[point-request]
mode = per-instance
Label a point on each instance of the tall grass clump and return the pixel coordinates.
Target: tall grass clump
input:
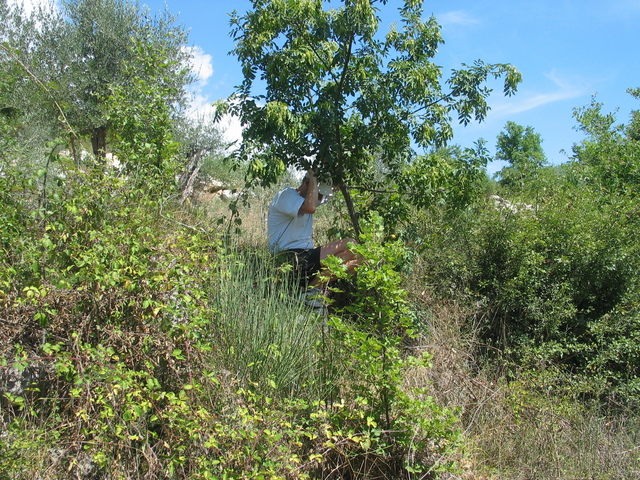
(262, 333)
(532, 429)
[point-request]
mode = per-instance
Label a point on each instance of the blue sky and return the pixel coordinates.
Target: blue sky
(567, 51)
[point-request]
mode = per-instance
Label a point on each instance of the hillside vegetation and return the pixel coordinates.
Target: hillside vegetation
(493, 331)
(143, 338)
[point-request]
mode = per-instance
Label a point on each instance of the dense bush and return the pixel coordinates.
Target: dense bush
(553, 276)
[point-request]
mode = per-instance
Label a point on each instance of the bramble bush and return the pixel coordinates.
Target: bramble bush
(123, 335)
(405, 432)
(121, 325)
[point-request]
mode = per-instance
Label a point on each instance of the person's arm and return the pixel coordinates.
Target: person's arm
(311, 198)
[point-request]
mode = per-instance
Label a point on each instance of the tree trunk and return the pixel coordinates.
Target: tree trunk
(188, 178)
(99, 143)
(351, 209)
(74, 150)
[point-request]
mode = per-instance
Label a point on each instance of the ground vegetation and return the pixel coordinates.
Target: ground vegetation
(145, 333)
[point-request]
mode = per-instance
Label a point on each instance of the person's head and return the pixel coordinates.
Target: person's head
(325, 191)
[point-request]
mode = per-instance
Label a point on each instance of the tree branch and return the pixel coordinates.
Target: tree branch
(44, 87)
(372, 190)
(345, 67)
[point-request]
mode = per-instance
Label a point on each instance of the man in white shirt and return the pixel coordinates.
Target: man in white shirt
(290, 229)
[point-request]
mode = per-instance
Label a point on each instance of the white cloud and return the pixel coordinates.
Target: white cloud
(564, 89)
(201, 107)
(231, 128)
(457, 17)
(201, 65)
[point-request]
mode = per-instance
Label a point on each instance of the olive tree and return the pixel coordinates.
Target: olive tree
(103, 35)
(324, 89)
(74, 56)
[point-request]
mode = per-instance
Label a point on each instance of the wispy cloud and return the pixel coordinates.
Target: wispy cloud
(564, 89)
(457, 17)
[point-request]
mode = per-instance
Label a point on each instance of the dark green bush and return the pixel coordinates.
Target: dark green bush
(556, 276)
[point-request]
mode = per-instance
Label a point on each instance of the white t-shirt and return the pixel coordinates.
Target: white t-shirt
(286, 228)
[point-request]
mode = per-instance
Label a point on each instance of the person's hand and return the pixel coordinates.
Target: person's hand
(310, 193)
(311, 176)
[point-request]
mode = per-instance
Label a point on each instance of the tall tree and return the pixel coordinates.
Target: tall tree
(522, 148)
(323, 89)
(80, 52)
(103, 35)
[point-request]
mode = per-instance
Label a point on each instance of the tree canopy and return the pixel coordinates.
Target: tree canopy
(521, 147)
(79, 53)
(611, 151)
(323, 88)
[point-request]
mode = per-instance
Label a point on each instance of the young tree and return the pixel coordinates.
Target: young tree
(323, 89)
(522, 148)
(610, 154)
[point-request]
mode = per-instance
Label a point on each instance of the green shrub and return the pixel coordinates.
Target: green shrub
(402, 431)
(552, 280)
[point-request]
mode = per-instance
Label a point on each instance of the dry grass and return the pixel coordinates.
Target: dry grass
(512, 429)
